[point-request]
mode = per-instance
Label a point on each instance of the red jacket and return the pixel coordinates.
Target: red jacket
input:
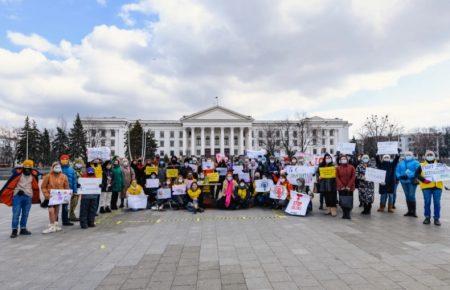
(7, 192)
(345, 177)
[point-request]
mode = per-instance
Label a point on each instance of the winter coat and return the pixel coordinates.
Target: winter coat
(117, 179)
(326, 184)
(406, 170)
(345, 177)
(7, 192)
(107, 180)
(390, 181)
(127, 175)
(72, 177)
(222, 193)
(365, 188)
(54, 181)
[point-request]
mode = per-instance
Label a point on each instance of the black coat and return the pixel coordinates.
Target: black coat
(390, 180)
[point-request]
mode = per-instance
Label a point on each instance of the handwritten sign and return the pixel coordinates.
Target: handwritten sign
(151, 169)
(375, 175)
(172, 173)
(436, 172)
(207, 165)
(327, 172)
(89, 185)
(278, 192)
(298, 204)
(179, 189)
(387, 148)
(222, 171)
(346, 148)
(219, 157)
(263, 185)
(213, 177)
(164, 193)
(59, 196)
(152, 183)
(103, 153)
(245, 176)
(137, 201)
(237, 169)
(296, 172)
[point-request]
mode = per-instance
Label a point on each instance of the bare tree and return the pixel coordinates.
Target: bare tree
(287, 137)
(424, 139)
(376, 129)
(269, 138)
(8, 146)
(304, 132)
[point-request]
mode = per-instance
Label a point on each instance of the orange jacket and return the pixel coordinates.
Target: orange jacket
(54, 181)
(7, 193)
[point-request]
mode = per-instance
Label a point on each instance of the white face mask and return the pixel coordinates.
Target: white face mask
(180, 180)
(242, 184)
(57, 169)
(429, 158)
(386, 159)
(344, 161)
(125, 164)
(408, 157)
(365, 160)
(328, 160)
(229, 177)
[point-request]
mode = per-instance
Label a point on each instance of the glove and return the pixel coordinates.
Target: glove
(78, 185)
(44, 204)
(20, 192)
(399, 150)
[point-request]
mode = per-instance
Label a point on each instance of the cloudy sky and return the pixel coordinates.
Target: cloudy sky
(159, 59)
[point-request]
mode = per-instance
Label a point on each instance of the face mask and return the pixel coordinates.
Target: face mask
(168, 182)
(429, 158)
(294, 161)
(27, 171)
(180, 180)
(125, 164)
(264, 177)
(328, 160)
(57, 169)
(386, 159)
(408, 157)
(242, 184)
(344, 161)
(186, 164)
(78, 166)
(229, 177)
(202, 176)
(153, 176)
(365, 160)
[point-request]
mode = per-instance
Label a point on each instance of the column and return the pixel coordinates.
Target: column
(222, 140)
(231, 141)
(202, 141)
(241, 140)
(184, 142)
(213, 141)
(192, 141)
(249, 138)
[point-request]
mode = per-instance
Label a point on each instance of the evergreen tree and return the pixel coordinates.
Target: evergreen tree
(22, 142)
(60, 144)
(133, 141)
(34, 138)
(77, 139)
(29, 137)
(45, 148)
(150, 145)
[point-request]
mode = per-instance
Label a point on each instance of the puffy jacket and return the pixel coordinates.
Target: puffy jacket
(71, 177)
(117, 179)
(407, 168)
(194, 194)
(432, 184)
(54, 181)
(390, 181)
(7, 192)
(345, 177)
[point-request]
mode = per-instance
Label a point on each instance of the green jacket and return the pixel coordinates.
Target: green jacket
(117, 179)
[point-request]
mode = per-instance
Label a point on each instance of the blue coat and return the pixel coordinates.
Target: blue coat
(71, 177)
(407, 168)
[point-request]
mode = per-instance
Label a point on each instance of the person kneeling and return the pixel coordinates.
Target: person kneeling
(136, 197)
(195, 194)
(242, 195)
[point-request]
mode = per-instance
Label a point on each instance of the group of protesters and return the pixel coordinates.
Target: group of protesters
(217, 184)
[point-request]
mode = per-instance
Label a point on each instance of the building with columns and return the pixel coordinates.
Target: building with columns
(216, 130)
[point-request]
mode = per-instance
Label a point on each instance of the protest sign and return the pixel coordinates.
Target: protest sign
(103, 153)
(179, 189)
(188, 183)
(213, 177)
(89, 185)
(254, 154)
(327, 172)
(237, 169)
(387, 148)
(137, 201)
(171, 173)
(164, 193)
(219, 157)
(298, 204)
(245, 176)
(263, 185)
(296, 172)
(436, 172)
(375, 175)
(59, 196)
(151, 169)
(152, 183)
(346, 148)
(278, 192)
(194, 167)
(222, 171)
(207, 165)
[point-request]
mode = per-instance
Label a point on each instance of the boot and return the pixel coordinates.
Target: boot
(381, 209)
(390, 208)
(437, 222)
(369, 208)
(413, 209)
(74, 219)
(25, 232)
(426, 221)
(107, 209)
(13, 234)
(51, 229)
(333, 211)
(102, 209)
(408, 204)
(366, 209)
(122, 203)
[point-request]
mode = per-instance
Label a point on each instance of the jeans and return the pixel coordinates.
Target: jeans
(410, 191)
(88, 209)
(395, 193)
(65, 213)
(434, 193)
(20, 208)
(387, 196)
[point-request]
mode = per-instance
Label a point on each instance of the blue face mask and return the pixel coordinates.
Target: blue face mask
(408, 158)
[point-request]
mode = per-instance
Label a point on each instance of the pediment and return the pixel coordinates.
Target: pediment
(217, 113)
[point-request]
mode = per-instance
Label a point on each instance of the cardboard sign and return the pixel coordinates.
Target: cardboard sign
(207, 165)
(375, 175)
(89, 185)
(237, 169)
(327, 172)
(222, 171)
(298, 204)
(387, 148)
(151, 169)
(213, 177)
(179, 189)
(346, 148)
(436, 172)
(152, 183)
(171, 173)
(60, 196)
(137, 201)
(254, 154)
(103, 153)
(164, 193)
(296, 172)
(245, 176)
(194, 167)
(278, 192)
(263, 185)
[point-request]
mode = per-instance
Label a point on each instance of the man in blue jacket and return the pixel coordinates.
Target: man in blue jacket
(73, 182)
(406, 172)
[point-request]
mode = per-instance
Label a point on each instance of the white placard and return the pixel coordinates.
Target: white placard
(137, 201)
(103, 153)
(296, 172)
(346, 148)
(387, 148)
(152, 183)
(375, 175)
(436, 172)
(194, 167)
(263, 185)
(164, 193)
(298, 204)
(278, 192)
(179, 189)
(254, 154)
(245, 176)
(59, 196)
(222, 171)
(237, 169)
(89, 185)
(207, 165)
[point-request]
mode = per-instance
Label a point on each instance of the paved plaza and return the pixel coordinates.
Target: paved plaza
(247, 249)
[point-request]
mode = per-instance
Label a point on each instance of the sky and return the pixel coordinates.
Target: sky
(159, 59)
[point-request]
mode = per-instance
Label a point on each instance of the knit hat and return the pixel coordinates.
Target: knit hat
(64, 157)
(28, 163)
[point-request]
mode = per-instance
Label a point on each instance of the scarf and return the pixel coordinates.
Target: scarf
(228, 193)
(134, 190)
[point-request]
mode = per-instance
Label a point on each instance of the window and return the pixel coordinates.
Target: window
(324, 141)
(278, 134)
(286, 133)
(314, 142)
(314, 151)
(161, 153)
(113, 133)
(331, 151)
(113, 152)
(207, 141)
(181, 152)
(235, 141)
(314, 132)
(198, 143)
(180, 134)
(103, 133)
(235, 152)
(331, 132)
(172, 134)
(216, 141)
(324, 150)
(161, 143)
(260, 134)
(277, 142)
(172, 153)
(261, 143)
(324, 132)
(161, 134)
(331, 141)
(226, 141)
(181, 143)
(93, 133)
(294, 134)
(113, 142)
(295, 142)
(103, 142)
(198, 152)
(172, 143)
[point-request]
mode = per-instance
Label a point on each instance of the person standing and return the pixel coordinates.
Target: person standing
(105, 197)
(327, 185)
(366, 189)
(79, 168)
(20, 191)
(68, 171)
(406, 172)
(128, 176)
(387, 188)
(345, 183)
(117, 183)
(88, 204)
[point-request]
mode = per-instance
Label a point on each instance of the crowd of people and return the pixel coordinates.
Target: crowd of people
(202, 183)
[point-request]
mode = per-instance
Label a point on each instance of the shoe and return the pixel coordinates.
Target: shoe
(13, 234)
(57, 227)
(51, 229)
(426, 221)
(107, 209)
(393, 206)
(25, 232)
(413, 209)
(91, 225)
(408, 204)
(155, 207)
(74, 219)
(84, 227)
(121, 203)
(390, 208)
(200, 210)
(437, 222)
(321, 207)
(381, 209)
(68, 224)
(102, 210)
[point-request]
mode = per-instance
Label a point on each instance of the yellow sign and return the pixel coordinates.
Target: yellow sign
(172, 173)
(213, 177)
(327, 172)
(151, 169)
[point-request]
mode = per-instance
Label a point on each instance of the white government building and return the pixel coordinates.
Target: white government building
(214, 130)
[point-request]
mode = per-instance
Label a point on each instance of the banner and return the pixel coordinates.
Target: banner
(171, 173)
(296, 172)
(237, 169)
(278, 192)
(137, 201)
(298, 204)
(207, 165)
(245, 176)
(222, 171)
(436, 172)
(387, 148)
(263, 185)
(103, 153)
(213, 177)
(59, 196)
(89, 185)
(254, 154)
(164, 193)
(346, 148)
(151, 169)
(179, 189)
(327, 172)
(375, 175)
(152, 183)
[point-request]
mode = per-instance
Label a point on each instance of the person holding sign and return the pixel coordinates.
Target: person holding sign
(345, 184)
(225, 199)
(195, 196)
(128, 175)
(105, 196)
(152, 186)
(136, 197)
(261, 188)
(179, 193)
(431, 190)
(72, 178)
(88, 204)
(282, 203)
(327, 183)
(406, 172)
(387, 188)
(53, 180)
(242, 195)
(366, 189)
